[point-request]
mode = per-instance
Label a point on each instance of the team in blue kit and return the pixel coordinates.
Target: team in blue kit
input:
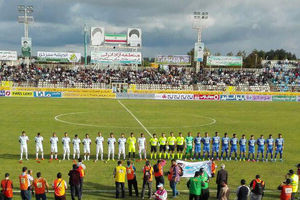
(241, 149)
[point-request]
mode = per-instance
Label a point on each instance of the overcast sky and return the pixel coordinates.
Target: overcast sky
(166, 24)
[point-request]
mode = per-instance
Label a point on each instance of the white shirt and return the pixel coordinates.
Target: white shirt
(76, 142)
(141, 142)
(111, 142)
(66, 141)
(38, 140)
(23, 140)
(99, 140)
(122, 142)
(86, 142)
(54, 141)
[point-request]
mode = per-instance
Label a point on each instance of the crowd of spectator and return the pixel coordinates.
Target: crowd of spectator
(174, 76)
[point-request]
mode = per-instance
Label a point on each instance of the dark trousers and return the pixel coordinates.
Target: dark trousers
(60, 197)
(81, 185)
(218, 190)
(149, 185)
(159, 179)
(194, 197)
(25, 195)
(133, 183)
(118, 186)
(75, 191)
(40, 196)
(205, 194)
(293, 196)
(6, 198)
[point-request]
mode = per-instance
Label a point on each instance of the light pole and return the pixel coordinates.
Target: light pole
(85, 29)
(26, 19)
(198, 18)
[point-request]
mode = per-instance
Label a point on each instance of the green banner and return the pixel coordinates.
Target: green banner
(284, 98)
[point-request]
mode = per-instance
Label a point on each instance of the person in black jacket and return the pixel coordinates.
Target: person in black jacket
(243, 191)
(222, 176)
(74, 181)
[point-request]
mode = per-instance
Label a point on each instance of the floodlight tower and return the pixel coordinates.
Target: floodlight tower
(26, 18)
(198, 19)
(85, 30)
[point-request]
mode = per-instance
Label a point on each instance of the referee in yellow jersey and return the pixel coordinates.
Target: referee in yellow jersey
(153, 144)
(171, 143)
(119, 175)
(162, 146)
(131, 146)
(180, 145)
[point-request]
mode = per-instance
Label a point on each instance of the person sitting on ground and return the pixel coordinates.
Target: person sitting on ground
(161, 193)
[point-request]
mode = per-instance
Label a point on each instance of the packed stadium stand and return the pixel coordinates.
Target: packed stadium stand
(273, 77)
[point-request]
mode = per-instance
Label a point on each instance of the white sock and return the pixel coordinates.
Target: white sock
(37, 155)
(78, 155)
(96, 156)
(124, 156)
(51, 156)
(64, 156)
(101, 156)
(42, 155)
(21, 157)
(55, 156)
(84, 157)
(26, 155)
(88, 157)
(74, 156)
(68, 156)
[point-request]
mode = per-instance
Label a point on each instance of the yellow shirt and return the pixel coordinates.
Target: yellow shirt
(153, 141)
(162, 140)
(171, 140)
(120, 174)
(294, 183)
(180, 140)
(131, 141)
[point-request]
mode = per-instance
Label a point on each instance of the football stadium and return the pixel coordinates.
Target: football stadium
(128, 99)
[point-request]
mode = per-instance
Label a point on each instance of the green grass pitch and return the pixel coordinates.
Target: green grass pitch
(37, 115)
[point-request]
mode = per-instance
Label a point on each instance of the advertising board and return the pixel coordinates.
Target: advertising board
(233, 97)
(174, 96)
(21, 93)
(251, 97)
(115, 57)
(48, 94)
(65, 57)
(283, 98)
(198, 52)
(88, 95)
(224, 61)
(8, 55)
(207, 97)
(173, 60)
(134, 96)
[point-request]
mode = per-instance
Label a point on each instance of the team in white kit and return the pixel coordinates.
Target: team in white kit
(76, 142)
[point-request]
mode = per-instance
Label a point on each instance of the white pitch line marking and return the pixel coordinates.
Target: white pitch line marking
(134, 117)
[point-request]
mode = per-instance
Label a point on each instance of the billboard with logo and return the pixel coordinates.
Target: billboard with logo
(224, 61)
(65, 57)
(173, 60)
(116, 57)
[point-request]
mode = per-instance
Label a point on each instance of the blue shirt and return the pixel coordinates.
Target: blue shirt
(279, 142)
(206, 141)
(251, 143)
(225, 141)
(197, 141)
(216, 141)
(234, 141)
(270, 142)
(243, 142)
(261, 142)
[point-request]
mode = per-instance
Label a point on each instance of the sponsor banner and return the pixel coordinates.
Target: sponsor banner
(7, 93)
(48, 94)
(21, 94)
(88, 95)
(224, 61)
(26, 47)
(173, 60)
(298, 98)
(284, 98)
(58, 56)
(134, 36)
(8, 55)
(199, 52)
(115, 38)
(174, 96)
(189, 168)
(233, 97)
(134, 96)
(109, 57)
(2, 93)
(207, 97)
(258, 97)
